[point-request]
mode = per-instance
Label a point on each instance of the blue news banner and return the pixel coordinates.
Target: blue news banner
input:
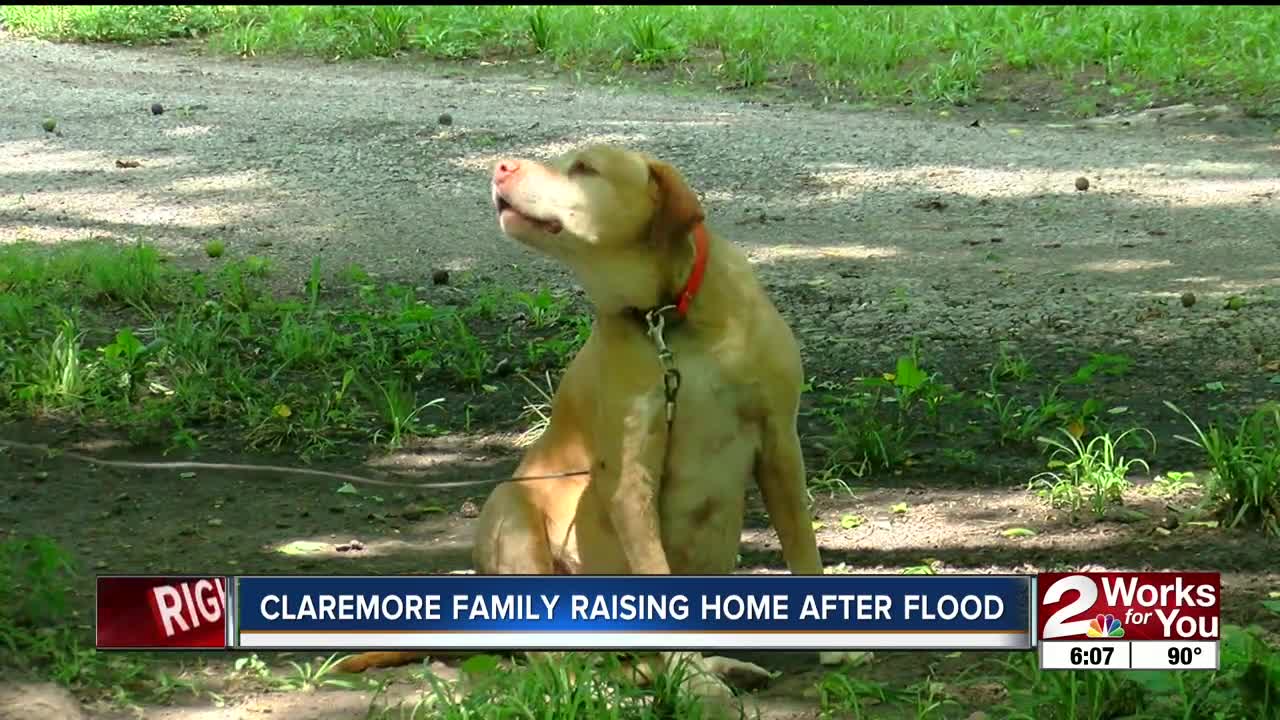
(656, 612)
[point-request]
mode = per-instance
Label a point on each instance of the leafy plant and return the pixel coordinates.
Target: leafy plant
(1096, 471)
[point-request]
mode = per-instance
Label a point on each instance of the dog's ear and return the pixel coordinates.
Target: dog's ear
(678, 209)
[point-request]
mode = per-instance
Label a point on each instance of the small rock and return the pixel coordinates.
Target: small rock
(40, 476)
(128, 164)
(215, 522)
(157, 109)
(445, 119)
(352, 546)
(1188, 299)
(1082, 183)
(440, 277)
(469, 509)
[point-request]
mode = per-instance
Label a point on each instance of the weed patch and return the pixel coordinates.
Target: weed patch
(1245, 464)
(1095, 471)
(101, 333)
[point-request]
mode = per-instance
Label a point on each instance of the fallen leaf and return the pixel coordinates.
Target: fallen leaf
(128, 164)
(851, 521)
(480, 665)
(1018, 532)
(348, 489)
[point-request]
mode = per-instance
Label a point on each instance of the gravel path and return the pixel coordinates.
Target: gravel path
(349, 162)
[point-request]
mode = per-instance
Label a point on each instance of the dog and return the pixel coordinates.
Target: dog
(666, 468)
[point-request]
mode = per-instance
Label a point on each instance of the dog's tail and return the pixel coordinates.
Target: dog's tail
(364, 661)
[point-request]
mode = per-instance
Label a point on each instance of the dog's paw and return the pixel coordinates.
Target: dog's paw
(738, 673)
(711, 677)
(852, 658)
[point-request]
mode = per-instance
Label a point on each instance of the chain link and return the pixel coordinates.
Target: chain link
(656, 321)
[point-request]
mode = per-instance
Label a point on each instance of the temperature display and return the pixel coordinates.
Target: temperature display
(1175, 655)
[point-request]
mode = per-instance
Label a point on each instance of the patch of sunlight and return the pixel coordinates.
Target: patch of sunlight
(242, 180)
(1178, 184)
(189, 131)
(821, 252)
(16, 158)
(672, 122)
(1123, 266)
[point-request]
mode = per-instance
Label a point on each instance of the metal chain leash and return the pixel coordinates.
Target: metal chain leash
(670, 375)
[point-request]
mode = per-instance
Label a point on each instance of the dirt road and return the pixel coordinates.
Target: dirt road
(871, 228)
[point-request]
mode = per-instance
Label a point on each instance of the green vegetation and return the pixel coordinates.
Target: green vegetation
(1095, 471)
(97, 333)
(571, 686)
(1245, 482)
(1087, 56)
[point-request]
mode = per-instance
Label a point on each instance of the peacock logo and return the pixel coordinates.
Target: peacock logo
(1105, 626)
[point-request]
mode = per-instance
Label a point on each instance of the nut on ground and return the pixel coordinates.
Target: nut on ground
(1188, 299)
(1082, 183)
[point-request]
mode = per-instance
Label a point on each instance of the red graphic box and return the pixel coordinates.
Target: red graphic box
(1128, 606)
(162, 612)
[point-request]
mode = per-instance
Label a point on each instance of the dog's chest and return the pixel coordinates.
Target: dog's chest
(716, 415)
(714, 441)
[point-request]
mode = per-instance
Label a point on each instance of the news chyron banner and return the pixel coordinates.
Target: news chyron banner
(653, 612)
(1075, 620)
(471, 612)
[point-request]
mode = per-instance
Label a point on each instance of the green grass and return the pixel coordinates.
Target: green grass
(1085, 54)
(96, 333)
(569, 687)
(1245, 465)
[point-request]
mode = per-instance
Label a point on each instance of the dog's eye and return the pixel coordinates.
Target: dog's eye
(581, 168)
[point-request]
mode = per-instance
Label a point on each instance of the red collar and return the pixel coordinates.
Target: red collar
(700, 247)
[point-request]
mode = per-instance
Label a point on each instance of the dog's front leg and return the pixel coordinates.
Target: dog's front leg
(780, 475)
(628, 473)
(781, 478)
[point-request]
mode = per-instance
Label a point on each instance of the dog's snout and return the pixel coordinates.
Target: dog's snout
(504, 170)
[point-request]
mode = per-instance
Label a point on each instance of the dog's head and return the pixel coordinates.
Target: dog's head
(596, 200)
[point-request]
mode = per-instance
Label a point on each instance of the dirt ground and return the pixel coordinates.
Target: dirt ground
(870, 228)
